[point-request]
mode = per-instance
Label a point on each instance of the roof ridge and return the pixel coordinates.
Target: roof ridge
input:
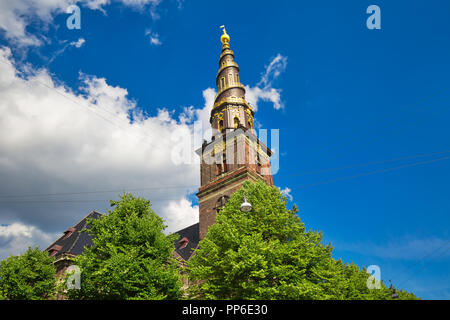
(86, 216)
(186, 227)
(81, 229)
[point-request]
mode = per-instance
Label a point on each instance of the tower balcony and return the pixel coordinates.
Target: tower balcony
(225, 65)
(227, 87)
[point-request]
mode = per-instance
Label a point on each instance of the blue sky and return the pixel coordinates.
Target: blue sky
(351, 99)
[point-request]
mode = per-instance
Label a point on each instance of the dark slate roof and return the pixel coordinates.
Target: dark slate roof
(75, 243)
(192, 235)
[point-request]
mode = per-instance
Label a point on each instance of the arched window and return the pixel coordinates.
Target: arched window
(258, 162)
(222, 82)
(221, 202)
(220, 125)
(218, 169)
(236, 122)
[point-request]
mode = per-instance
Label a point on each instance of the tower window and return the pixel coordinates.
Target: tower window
(222, 82)
(230, 79)
(218, 169)
(224, 162)
(236, 122)
(221, 202)
(258, 162)
(220, 125)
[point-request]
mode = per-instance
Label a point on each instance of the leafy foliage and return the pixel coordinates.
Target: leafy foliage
(30, 276)
(131, 257)
(267, 254)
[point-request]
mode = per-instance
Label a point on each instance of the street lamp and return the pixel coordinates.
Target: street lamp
(246, 206)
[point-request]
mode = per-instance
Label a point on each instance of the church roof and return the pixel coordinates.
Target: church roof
(73, 241)
(187, 241)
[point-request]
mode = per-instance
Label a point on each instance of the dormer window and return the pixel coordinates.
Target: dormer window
(68, 232)
(183, 242)
(54, 250)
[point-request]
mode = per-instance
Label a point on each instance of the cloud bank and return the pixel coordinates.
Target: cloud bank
(17, 15)
(53, 140)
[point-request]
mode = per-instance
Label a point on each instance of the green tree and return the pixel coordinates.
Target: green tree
(352, 281)
(30, 276)
(268, 254)
(131, 257)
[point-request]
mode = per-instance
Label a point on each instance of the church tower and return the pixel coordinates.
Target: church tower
(234, 154)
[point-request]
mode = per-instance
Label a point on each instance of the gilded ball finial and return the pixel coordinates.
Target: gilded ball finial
(225, 38)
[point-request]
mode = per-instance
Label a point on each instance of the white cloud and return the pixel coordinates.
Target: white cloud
(263, 90)
(273, 70)
(54, 140)
(204, 114)
(180, 213)
(96, 4)
(140, 3)
(255, 94)
(17, 15)
(17, 237)
(78, 43)
(287, 192)
(154, 37)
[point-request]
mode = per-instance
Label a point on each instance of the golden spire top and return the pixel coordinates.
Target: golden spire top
(225, 38)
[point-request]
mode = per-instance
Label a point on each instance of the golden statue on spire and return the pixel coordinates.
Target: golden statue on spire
(225, 38)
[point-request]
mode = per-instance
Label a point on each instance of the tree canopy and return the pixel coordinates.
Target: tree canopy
(30, 276)
(268, 254)
(131, 257)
